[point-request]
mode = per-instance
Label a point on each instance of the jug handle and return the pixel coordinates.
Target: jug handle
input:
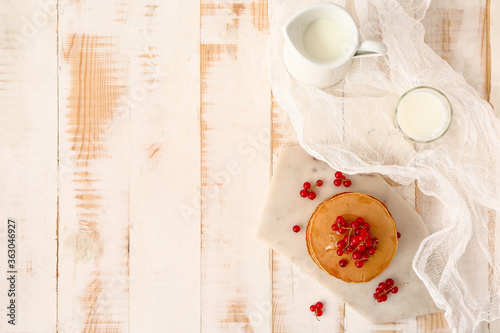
(370, 48)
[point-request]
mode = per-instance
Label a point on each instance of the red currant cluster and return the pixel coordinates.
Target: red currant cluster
(340, 178)
(317, 309)
(358, 241)
(307, 192)
(384, 288)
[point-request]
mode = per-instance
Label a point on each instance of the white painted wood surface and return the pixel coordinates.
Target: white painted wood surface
(164, 167)
(29, 164)
(138, 140)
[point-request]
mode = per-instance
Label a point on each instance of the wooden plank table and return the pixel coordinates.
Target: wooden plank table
(138, 140)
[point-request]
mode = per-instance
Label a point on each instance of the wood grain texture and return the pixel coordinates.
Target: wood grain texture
(165, 169)
(28, 168)
(94, 182)
(94, 194)
(139, 139)
(235, 103)
(452, 31)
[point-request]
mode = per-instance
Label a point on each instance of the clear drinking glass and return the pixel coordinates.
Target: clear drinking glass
(423, 114)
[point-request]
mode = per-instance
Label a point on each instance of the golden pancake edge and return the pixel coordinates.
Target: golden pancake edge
(321, 239)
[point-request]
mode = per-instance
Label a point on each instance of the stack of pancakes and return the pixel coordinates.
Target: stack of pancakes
(321, 239)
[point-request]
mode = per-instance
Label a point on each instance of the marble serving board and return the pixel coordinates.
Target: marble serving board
(285, 208)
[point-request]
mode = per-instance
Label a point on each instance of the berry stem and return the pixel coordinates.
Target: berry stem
(361, 243)
(389, 290)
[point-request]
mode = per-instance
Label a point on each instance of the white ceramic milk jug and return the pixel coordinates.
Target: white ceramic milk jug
(320, 43)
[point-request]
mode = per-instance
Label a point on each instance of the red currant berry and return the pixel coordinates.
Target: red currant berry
(342, 263)
(347, 183)
(366, 225)
(312, 308)
(356, 255)
(371, 251)
(319, 182)
(366, 255)
(382, 285)
(368, 243)
(340, 219)
(342, 230)
(375, 295)
(341, 244)
(349, 249)
(337, 182)
(379, 290)
(346, 239)
(338, 174)
(394, 290)
(303, 193)
(296, 228)
(319, 305)
(389, 282)
(359, 264)
(354, 224)
(362, 238)
(399, 235)
(307, 185)
(382, 298)
(361, 248)
(335, 227)
(340, 253)
(319, 313)
(360, 219)
(311, 195)
(363, 232)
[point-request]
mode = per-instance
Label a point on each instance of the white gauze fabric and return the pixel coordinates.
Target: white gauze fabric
(351, 127)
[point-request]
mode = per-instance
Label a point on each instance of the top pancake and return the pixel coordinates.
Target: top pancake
(321, 239)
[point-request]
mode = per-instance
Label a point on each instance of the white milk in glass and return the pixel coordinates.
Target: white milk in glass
(423, 114)
(325, 40)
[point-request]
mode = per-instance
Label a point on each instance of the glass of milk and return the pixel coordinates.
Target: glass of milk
(423, 114)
